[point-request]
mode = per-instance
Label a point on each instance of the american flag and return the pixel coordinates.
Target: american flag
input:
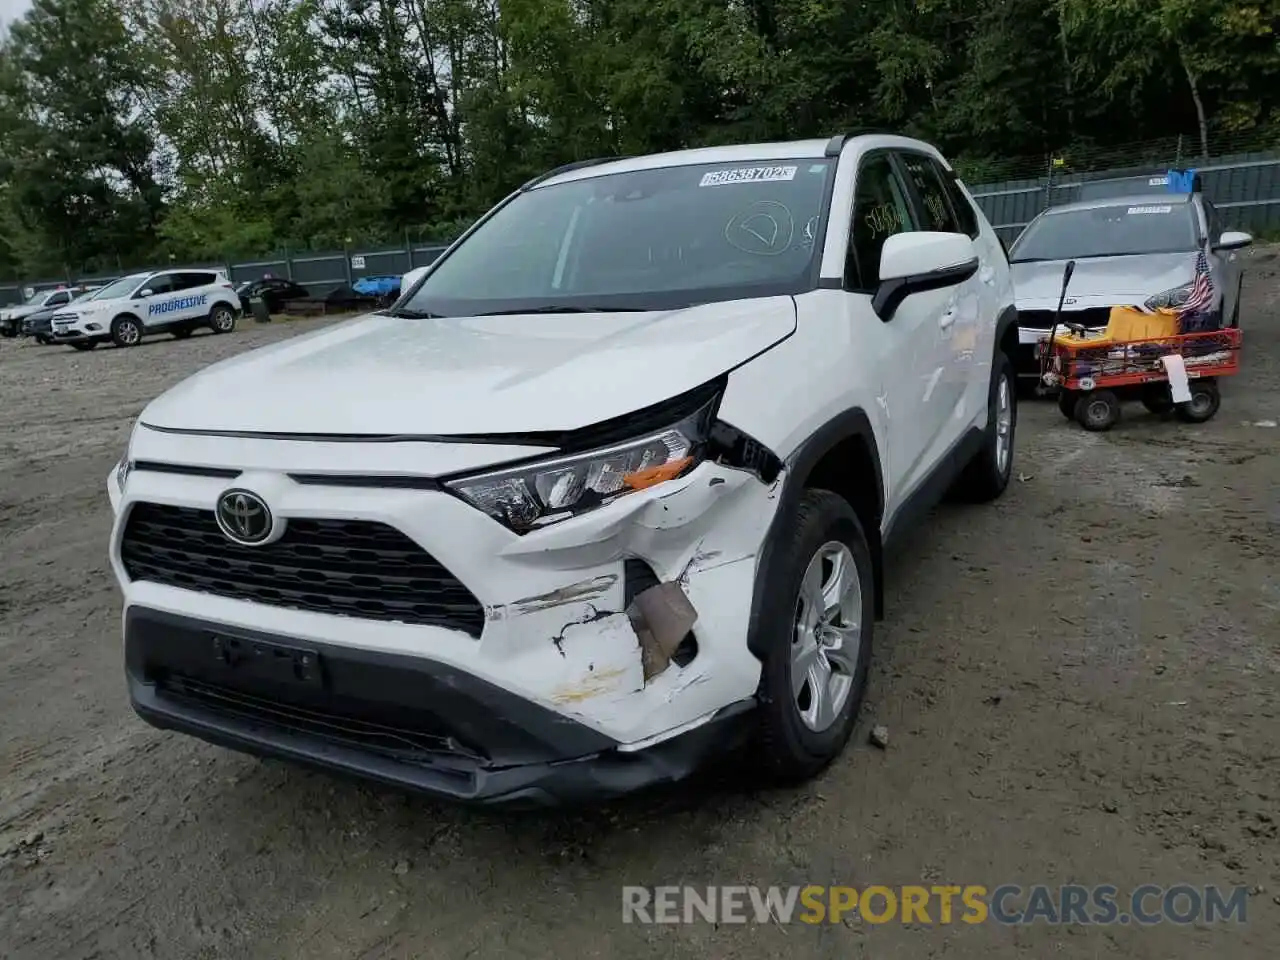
(1194, 313)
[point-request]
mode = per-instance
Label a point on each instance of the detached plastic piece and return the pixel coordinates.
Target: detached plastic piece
(662, 617)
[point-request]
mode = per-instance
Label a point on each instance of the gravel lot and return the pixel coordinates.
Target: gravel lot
(1081, 685)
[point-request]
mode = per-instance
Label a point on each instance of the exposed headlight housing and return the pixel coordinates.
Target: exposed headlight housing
(1170, 299)
(548, 491)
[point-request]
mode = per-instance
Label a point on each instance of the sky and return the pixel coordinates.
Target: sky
(12, 9)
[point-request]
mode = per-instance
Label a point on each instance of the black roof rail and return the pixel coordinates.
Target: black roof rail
(836, 143)
(567, 168)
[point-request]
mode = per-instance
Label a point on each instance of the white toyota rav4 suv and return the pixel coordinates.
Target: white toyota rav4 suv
(605, 492)
(167, 301)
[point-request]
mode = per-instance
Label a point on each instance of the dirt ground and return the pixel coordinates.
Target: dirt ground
(1081, 685)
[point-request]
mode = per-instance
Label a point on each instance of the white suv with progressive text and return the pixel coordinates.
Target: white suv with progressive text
(604, 494)
(141, 304)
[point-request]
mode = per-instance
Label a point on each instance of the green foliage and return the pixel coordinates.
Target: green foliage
(146, 129)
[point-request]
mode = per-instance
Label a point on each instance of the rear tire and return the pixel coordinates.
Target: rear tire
(1098, 410)
(987, 475)
(181, 333)
(222, 319)
(1203, 405)
(126, 331)
(816, 662)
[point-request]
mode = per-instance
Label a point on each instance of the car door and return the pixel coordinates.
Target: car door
(912, 360)
(193, 299)
(1224, 265)
(152, 300)
(959, 330)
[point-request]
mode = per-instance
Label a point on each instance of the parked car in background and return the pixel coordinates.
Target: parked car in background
(39, 325)
(383, 289)
(605, 495)
(1134, 251)
(164, 301)
(274, 291)
(11, 317)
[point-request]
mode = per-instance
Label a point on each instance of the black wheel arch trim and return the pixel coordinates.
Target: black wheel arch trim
(851, 423)
(1008, 318)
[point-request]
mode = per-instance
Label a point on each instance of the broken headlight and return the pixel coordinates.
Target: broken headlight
(548, 491)
(1170, 299)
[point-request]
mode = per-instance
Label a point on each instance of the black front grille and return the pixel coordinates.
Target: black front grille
(354, 568)
(1043, 319)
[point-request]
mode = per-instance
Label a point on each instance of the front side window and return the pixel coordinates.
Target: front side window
(880, 209)
(58, 299)
(1137, 227)
(927, 181)
(641, 240)
(162, 283)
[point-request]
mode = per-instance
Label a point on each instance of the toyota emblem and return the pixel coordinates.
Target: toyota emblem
(244, 518)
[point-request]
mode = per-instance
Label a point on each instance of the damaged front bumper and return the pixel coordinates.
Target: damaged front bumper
(615, 640)
(379, 717)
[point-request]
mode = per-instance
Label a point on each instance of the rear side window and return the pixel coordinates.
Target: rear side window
(185, 281)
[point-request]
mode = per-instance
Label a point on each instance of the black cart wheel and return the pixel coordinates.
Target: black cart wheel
(1203, 404)
(1067, 403)
(1097, 410)
(1156, 398)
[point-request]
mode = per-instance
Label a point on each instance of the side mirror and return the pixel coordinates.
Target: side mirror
(411, 278)
(915, 262)
(145, 293)
(1233, 240)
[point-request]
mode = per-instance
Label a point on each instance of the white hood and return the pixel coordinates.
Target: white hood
(459, 375)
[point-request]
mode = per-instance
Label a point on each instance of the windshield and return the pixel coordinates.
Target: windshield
(643, 240)
(38, 297)
(120, 288)
(1109, 231)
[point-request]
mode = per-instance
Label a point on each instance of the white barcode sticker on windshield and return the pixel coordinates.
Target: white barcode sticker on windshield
(1133, 210)
(747, 175)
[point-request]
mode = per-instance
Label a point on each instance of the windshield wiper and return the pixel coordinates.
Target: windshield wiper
(415, 314)
(561, 308)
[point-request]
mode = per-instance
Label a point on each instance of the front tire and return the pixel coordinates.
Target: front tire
(987, 474)
(126, 331)
(817, 622)
(222, 319)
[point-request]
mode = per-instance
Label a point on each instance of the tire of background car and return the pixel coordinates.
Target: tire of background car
(1203, 405)
(42, 340)
(222, 319)
(1156, 398)
(126, 331)
(181, 333)
(788, 746)
(1067, 403)
(1098, 410)
(83, 344)
(987, 474)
